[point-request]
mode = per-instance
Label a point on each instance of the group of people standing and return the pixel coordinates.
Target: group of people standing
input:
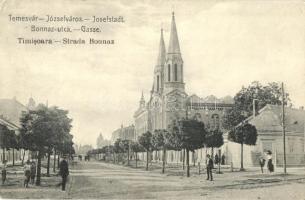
(29, 173)
(262, 162)
(29, 169)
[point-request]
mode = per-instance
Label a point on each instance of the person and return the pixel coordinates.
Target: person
(64, 172)
(223, 159)
(262, 163)
(3, 172)
(209, 168)
(269, 164)
(216, 159)
(33, 172)
(27, 173)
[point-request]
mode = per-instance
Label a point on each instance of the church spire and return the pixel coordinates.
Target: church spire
(174, 46)
(162, 52)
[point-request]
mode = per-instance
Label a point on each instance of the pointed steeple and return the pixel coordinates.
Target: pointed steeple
(162, 52)
(142, 101)
(173, 46)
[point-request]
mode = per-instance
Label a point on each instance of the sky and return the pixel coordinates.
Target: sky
(224, 45)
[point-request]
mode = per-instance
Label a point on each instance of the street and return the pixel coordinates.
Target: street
(108, 181)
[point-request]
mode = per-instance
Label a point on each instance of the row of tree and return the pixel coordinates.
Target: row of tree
(189, 135)
(44, 131)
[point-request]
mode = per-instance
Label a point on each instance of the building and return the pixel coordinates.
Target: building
(268, 123)
(10, 113)
(168, 99)
(124, 133)
(101, 142)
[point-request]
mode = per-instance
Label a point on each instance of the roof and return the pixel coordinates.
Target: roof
(211, 99)
(11, 110)
(270, 119)
(173, 46)
(162, 52)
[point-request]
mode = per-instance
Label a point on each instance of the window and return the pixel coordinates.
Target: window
(169, 72)
(176, 72)
(158, 84)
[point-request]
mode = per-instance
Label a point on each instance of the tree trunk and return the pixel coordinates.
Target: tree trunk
(164, 157)
(38, 168)
(187, 163)
(13, 157)
(212, 155)
(128, 156)
(23, 156)
(54, 160)
(194, 164)
(3, 155)
(242, 157)
(183, 158)
(136, 159)
(48, 164)
(147, 159)
(58, 161)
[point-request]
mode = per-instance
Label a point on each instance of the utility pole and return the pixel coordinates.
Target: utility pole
(283, 125)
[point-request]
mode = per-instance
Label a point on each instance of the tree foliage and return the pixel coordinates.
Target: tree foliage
(214, 138)
(243, 107)
(244, 134)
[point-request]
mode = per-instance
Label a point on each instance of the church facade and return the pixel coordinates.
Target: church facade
(168, 99)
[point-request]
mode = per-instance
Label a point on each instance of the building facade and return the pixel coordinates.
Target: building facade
(268, 123)
(168, 99)
(124, 133)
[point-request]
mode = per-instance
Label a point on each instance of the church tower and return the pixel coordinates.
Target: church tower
(158, 72)
(173, 69)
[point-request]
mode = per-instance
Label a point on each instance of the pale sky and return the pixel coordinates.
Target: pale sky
(224, 45)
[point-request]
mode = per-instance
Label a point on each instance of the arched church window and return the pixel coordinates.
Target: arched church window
(215, 121)
(169, 72)
(158, 84)
(176, 72)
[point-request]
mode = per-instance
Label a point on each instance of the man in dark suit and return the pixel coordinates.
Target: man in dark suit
(209, 168)
(64, 172)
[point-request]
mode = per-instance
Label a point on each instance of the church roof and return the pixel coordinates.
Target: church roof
(174, 46)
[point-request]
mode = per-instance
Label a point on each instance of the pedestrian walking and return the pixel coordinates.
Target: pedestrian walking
(27, 173)
(209, 168)
(64, 172)
(3, 172)
(262, 163)
(33, 172)
(270, 164)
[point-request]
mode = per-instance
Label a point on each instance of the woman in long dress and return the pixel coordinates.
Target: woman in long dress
(270, 165)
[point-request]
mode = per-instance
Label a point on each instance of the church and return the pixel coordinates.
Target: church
(168, 99)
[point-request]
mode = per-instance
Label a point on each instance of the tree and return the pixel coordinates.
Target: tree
(243, 107)
(161, 141)
(191, 135)
(117, 149)
(45, 127)
(214, 139)
(146, 141)
(5, 139)
(243, 134)
(125, 147)
(136, 148)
